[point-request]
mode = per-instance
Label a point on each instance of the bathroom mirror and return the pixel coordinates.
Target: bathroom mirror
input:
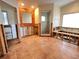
(26, 17)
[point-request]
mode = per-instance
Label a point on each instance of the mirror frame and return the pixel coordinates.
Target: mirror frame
(21, 11)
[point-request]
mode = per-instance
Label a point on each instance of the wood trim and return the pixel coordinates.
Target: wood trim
(39, 29)
(4, 36)
(17, 32)
(3, 40)
(67, 34)
(21, 10)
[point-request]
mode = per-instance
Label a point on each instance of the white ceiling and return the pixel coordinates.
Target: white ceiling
(58, 2)
(63, 2)
(14, 3)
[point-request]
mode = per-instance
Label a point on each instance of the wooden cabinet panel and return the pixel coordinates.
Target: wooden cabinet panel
(2, 42)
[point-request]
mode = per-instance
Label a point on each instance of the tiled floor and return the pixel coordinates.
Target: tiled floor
(35, 47)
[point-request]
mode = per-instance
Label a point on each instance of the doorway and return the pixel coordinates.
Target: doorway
(45, 24)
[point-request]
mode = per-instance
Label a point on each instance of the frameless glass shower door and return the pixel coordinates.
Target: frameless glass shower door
(45, 23)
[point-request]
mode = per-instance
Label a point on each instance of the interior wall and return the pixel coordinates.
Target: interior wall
(12, 12)
(70, 8)
(56, 15)
(1, 17)
(36, 15)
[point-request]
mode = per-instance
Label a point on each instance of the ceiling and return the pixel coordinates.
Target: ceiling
(62, 2)
(14, 3)
(58, 2)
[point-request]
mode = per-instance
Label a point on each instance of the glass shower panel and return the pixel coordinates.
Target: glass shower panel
(45, 23)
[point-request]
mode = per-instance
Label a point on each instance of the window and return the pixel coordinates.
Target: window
(5, 16)
(43, 18)
(71, 20)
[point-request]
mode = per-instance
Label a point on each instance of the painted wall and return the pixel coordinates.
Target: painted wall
(36, 15)
(56, 15)
(70, 8)
(12, 12)
(1, 17)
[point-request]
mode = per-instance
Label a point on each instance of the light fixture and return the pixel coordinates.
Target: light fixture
(32, 6)
(22, 4)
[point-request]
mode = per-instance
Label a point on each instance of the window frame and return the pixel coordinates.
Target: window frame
(68, 14)
(7, 17)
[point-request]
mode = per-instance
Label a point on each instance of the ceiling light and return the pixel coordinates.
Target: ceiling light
(22, 4)
(32, 6)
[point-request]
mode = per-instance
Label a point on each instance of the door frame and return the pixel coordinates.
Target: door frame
(50, 32)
